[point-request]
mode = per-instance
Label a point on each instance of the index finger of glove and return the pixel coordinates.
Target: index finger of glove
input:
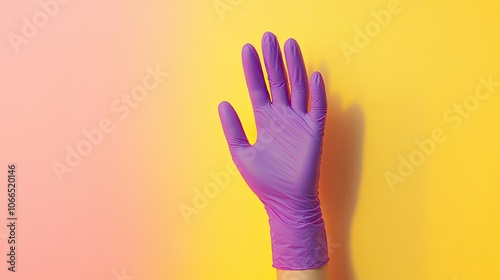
(254, 76)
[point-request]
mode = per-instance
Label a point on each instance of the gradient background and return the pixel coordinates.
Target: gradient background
(116, 215)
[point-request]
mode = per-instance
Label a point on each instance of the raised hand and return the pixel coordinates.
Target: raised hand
(282, 167)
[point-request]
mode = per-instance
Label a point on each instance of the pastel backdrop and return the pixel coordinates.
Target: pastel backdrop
(409, 184)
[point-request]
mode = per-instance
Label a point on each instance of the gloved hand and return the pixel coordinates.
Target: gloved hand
(282, 167)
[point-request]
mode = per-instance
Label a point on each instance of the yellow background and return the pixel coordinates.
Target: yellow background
(118, 211)
(442, 222)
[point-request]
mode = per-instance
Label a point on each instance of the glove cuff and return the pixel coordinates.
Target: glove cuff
(298, 247)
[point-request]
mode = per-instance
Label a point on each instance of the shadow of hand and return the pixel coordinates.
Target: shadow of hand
(339, 182)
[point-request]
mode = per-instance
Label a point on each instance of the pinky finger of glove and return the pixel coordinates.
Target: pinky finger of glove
(318, 97)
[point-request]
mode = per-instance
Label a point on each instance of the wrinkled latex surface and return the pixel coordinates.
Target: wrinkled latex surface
(282, 166)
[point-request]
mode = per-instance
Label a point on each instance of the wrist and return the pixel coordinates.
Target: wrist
(298, 243)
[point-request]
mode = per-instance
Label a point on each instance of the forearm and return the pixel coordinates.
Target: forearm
(308, 274)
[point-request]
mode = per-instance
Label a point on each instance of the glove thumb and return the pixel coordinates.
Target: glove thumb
(231, 124)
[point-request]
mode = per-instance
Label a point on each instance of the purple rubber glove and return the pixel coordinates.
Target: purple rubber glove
(282, 167)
